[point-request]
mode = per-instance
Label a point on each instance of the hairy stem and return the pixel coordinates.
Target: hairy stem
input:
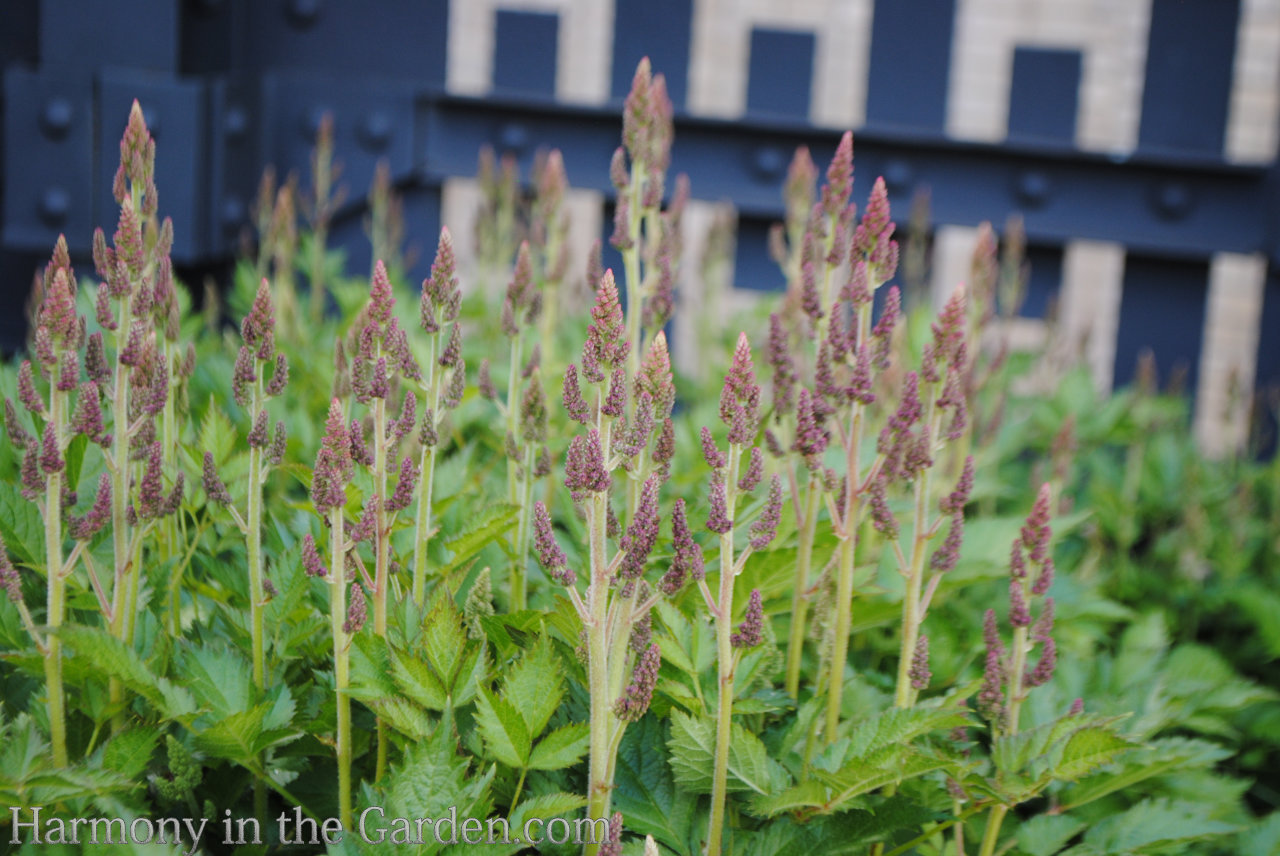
(341, 661)
(56, 592)
(724, 652)
(799, 594)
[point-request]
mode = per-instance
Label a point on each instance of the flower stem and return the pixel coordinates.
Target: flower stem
(56, 593)
(341, 661)
(724, 652)
(799, 596)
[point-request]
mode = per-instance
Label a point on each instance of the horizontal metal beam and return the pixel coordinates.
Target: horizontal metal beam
(1167, 206)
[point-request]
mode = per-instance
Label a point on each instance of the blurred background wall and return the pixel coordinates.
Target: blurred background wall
(1137, 139)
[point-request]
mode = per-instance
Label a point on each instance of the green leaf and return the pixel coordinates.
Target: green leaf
(492, 525)
(74, 456)
(235, 737)
(416, 680)
(503, 729)
(1263, 838)
(219, 678)
(561, 748)
(1046, 834)
(646, 792)
(1085, 751)
(1153, 822)
(1142, 763)
(692, 747)
(21, 526)
(217, 434)
(113, 659)
(444, 638)
(129, 752)
(534, 686)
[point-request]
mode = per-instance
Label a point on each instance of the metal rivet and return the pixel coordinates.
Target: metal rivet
(898, 174)
(236, 122)
(768, 162)
(232, 212)
(55, 119)
(376, 131)
(1033, 188)
(1173, 200)
(513, 136)
(55, 204)
(303, 13)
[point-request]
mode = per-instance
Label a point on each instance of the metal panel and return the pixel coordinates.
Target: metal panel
(524, 52)
(1162, 308)
(405, 39)
(780, 73)
(1045, 95)
(1190, 60)
(910, 63)
(141, 34)
(48, 160)
(659, 29)
(371, 121)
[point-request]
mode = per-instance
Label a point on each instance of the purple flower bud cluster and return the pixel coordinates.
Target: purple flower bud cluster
(550, 556)
(311, 562)
(357, 611)
(919, 672)
(635, 699)
(687, 563)
(740, 395)
(333, 463)
(584, 470)
(642, 533)
(750, 631)
(606, 345)
(84, 528)
(765, 527)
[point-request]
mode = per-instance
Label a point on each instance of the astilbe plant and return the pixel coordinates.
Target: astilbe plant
(622, 661)
(647, 236)
(333, 471)
(320, 206)
(58, 341)
(442, 384)
(735, 475)
(136, 276)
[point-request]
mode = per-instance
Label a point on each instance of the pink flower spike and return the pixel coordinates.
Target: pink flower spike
(920, 673)
(750, 631)
(311, 562)
(765, 528)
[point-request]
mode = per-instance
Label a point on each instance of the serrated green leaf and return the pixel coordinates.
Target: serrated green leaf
(562, 747)
(1154, 822)
(219, 678)
(129, 752)
(646, 792)
(692, 746)
(444, 639)
(1046, 834)
(505, 734)
(21, 526)
(490, 526)
(235, 737)
(112, 658)
(1085, 751)
(1146, 762)
(415, 679)
(217, 434)
(534, 686)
